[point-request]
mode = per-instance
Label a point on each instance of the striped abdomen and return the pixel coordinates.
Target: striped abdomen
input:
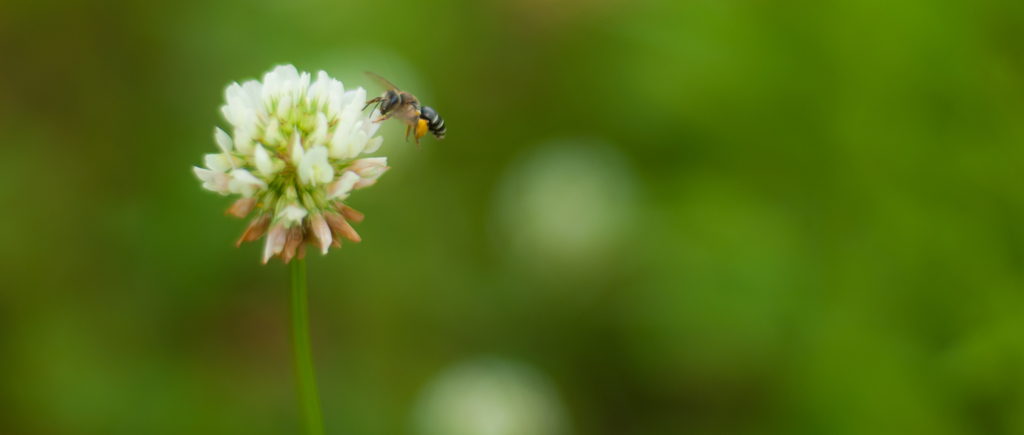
(434, 121)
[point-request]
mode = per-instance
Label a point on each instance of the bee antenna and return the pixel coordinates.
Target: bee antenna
(368, 103)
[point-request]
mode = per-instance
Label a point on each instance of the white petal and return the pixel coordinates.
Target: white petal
(315, 167)
(264, 162)
(223, 140)
(371, 127)
(244, 182)
(335, 94)
(212, 180)
(254, 89)
(354, 97)
(318, 90)
(219, 162)
(247, 177)
(357, 144)
(297, 151)
(292, 214)
(341, 188)
(287, 73)
(243, 141)
(270, 88)
(320, 133)
(323, 172)
(284, 107)
(234, 94)
(272, 134)
(340, 139)
(239, 105)
(303, 84)
(353, 105)
(228, 114)
(373, 145)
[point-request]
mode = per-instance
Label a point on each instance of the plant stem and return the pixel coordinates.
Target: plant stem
(309, 401)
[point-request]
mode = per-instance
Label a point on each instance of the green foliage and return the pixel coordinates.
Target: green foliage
(823, 232)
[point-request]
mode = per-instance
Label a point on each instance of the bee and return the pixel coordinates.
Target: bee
(404, 106)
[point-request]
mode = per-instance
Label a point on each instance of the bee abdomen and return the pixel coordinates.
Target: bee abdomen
(434, 121)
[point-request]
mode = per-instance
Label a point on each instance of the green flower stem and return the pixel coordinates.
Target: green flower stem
(309, 401)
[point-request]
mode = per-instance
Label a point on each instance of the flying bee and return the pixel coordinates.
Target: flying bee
(404, 106)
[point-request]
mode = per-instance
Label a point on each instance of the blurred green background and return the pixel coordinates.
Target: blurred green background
(648, 217)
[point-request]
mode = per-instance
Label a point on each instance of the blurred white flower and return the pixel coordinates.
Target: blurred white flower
(490, 396)
(291, 156)
(566, 207)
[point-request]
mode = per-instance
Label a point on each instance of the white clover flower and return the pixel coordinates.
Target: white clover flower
(292, 158)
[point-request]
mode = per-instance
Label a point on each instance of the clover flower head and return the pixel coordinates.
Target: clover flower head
(292, 156)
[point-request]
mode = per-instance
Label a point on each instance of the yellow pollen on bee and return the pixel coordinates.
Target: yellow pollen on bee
(421, 128)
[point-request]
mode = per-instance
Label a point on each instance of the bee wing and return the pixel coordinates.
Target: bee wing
(381, 80)
(408, 114)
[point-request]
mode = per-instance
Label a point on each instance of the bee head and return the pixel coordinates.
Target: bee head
(389, 101)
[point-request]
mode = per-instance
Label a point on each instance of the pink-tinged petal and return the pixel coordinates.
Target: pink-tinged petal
(216, 181)
(349, 213)
(293, 241)
(338, 224)
(275, 241)
(242, 207)
(341, 188)
(364, 182)
(257, 228)
(322, 232)
(368, 167)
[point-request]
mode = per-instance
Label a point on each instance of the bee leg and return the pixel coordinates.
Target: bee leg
(407, 129)
(384, 118)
